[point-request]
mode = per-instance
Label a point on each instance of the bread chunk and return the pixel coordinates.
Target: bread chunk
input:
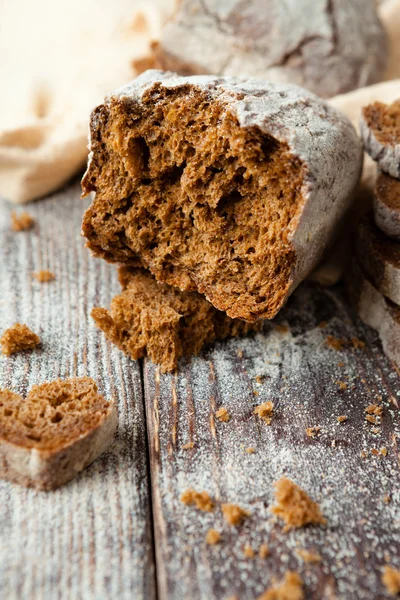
(294, 506)
(290, 588)
(156, 320)
(228, 187)
(387, 205)
(18, 338)
(55, 432)
(328, 47)
(380, 132)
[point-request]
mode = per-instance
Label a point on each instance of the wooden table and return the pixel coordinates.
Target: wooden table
(119, 530)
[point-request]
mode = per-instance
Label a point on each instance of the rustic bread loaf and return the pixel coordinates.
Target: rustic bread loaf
(328, 47)
(228, 187)
(156, 320)
(379, 257)
(387, 205)
(55, 432)
(380, 132)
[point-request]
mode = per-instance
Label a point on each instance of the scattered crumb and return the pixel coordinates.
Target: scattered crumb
(383, 451)
(340, 364)
(223, 415)
(17, 338)
(255, 393)
(374, 409)
(291, 588)
(250, 450)
(357, 343)
(234, 514)
(264, 411)
(21, 222)
(375, 430)
(323, 324)
(44, 276)
(386, 499)
(263, 551)
(391, 580)
(294, 506)
(313, 431)
(201, 500)
(308, 556)
(335, 343)
(363, 454)
(188, 446)
(248, 551)
(342, 385)
(371, 419)
(341, 419)
(259, 378)
(239, 353)
(213, 537)
(375, 452)
(281, 328)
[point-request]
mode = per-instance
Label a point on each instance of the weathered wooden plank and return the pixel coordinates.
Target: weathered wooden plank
(301, 375)
(92, 538)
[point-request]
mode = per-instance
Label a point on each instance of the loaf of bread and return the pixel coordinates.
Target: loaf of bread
(156, 320)
(228, 187)
(380, 131)
(328, 47)
(387, 205)
(55, 432)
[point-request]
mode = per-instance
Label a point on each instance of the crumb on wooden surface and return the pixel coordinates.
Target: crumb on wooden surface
(265, 411)
(291, 588)
(374, 409)
(363, 454)
(263, 551)
(213, 537)
(239, 353)
(21, 222)
(391, 580)
(309, 556)
(259, 378)
(375, 430)
(313, 431)
(234, 514)
(201, 500)
(250, 450)
(43, 276)
(357, 343)
(342, 385)
(255, 393)
(375, 452)
(223, 415)
(371, 419)
(383, 451)
(340, 364)
(17, 338)
(188, 446)
(248, 551)
(335, 343)
(294, 506)
(341, 418)
(386, 499)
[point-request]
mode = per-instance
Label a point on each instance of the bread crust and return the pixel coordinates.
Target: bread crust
(381, 137)
(387, 205)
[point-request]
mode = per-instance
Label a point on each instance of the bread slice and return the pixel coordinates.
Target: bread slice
(228, 187)
(380, 132)
(387, 205)
(156, 320)
(55, 432)
(379, 257)
(375, 310)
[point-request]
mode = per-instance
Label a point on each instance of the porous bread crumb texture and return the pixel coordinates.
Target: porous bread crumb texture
(223, 415)
(21, 222)
(233, 514)
(201, 500)
(43, 276)
(391, 580)
(156, 320)
(386, 205)
(52, 414)
(380, 132)
(291, 588)
(265, 411)
(308, 556)
(18, 338)
(203, 203)
(294, 506)
(213, 537)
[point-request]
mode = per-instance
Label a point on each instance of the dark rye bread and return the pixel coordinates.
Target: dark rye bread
(329, 47)
(228, 187)
(380, 132)
(387, 205)
(55, 432)
(379, 257)
(156, 320)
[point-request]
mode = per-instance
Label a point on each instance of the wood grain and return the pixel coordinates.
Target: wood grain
(92, 538)
(302, 375)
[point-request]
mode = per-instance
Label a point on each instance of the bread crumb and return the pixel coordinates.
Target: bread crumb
(374, 409)
(259, 378)
(188, 446)
(341, 418)
(17, 338)
(335, 343)
(383, 451)
(291, 588)
(213, 537)
(239, 353)
(391, 580)
(263, 551)
(340, 364)
(44, 276)
(371, 419)
(386, 499)
(313, 431)
(294, 506)
(223, 415)
(375, 452)
(357, 343)
(255, 393)
(201, 500)
(234, 514)
(250, 450)
(363, 454)
(248, 551)
(375, 430)
(21, 222)
(264, 411)
(308, 556)
(342, 385)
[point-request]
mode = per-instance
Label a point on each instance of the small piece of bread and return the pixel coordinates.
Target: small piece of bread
(387, 205)
(55, 432)
(291, 588)
(234, 514)
(294, 506)
(379, 258)
(21, 222)
(18, 338)
(380, 132)
(156, 320)
(391, 580)
(43, 276)
(201, 500)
